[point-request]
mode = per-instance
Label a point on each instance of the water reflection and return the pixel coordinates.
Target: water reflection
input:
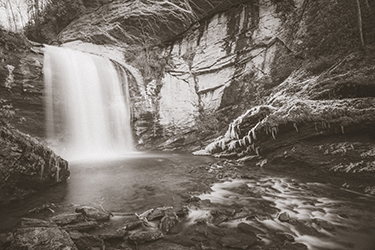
(316, 215)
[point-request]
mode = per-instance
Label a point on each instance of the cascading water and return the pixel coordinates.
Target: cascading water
(87, 105)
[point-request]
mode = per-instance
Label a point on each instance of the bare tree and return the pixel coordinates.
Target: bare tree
(360, 26)
(11, 16)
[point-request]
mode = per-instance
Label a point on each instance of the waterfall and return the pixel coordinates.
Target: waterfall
(87, 105)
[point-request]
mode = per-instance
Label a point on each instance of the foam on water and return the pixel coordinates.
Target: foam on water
(315, 219)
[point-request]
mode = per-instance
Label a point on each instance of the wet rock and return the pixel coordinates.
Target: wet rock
(168, 221)
(45, 207)
(5, 240)
(227, 211)
(324, 224)
(94, 213)
(82, 226)
(246, 228)
(145, 236)
(239, 241)
(198, 238)
(284, 217)
(220, 219)
(293, 246)
(31, 222)
(67, 218)
(182, 212)
(131, 225)
(156, 213)
(177, 228)
(285, 237)
(240, 214)
(43, 235)
(193, 199)
(118, 234)
(85, 241)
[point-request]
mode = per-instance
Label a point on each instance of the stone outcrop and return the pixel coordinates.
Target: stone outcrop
(21, 90)
(198, 71)
(216, 60)
(216, 68)
(27, 165)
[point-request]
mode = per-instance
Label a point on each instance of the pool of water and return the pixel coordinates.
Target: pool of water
(319, 216)
(132, 184)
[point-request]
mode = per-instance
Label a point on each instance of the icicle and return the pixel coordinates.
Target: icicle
(244, 141)
(232, 146)
(240, 143)
(248, 139)
(257, 150)
(252, 146)
(254, 133)
(295, 126)
(342, 129)
(274, 132)
(237, 132)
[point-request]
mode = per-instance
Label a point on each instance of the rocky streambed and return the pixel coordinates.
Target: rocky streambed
(176, 201)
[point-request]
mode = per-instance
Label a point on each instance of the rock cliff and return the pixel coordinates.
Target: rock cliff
(262, 66)
(281, 73)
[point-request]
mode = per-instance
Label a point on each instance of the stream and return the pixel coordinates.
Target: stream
(277, 208)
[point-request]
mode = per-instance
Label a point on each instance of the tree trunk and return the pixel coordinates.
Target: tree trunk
(367, 4)
(13, 16)
(360, 25)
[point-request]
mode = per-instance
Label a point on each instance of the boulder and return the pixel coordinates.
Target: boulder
(82, 226)
(284, 217)
(94, 213)
(85, 241)
(26, 164)
(67, 218)
(39, 234)
(145, 236)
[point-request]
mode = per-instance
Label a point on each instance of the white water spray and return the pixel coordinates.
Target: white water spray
(87, 105)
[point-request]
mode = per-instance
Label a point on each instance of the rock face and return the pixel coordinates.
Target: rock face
(212, 66)
(21, 89)
(209, 67)
(216, 60)
(26, 164)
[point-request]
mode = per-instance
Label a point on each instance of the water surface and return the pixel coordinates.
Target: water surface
(321, 216)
